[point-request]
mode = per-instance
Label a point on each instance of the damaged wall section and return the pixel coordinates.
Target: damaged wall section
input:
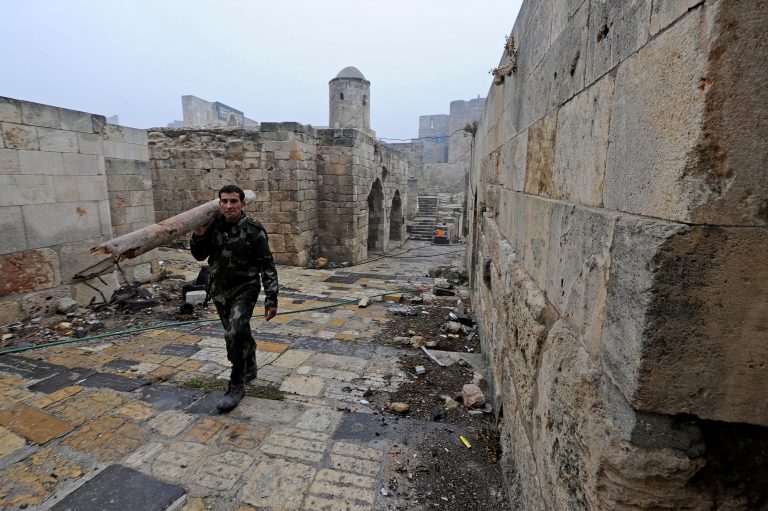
(59, 173)
(617, 254)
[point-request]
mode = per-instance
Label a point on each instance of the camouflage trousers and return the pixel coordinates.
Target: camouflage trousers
(241, 347)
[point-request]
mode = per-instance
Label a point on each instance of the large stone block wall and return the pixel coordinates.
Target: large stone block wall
(351, 163)
(618, 232)
(55, 203)
(277, 161)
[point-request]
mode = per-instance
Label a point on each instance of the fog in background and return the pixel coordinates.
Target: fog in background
(272, 60)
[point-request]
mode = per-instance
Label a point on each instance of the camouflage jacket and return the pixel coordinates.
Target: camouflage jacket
(239, 259)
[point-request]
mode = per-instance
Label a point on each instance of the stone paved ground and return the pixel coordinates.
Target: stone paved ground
(109, 424)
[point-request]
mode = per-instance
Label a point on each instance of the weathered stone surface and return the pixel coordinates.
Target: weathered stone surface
(472, 396)
(43, 302)
(10, 312)
(34, 479)
(541, 155)
(682, 353)
(582, 145)
(278, 484)
(122, 489)
(31, 270)
(33, 424)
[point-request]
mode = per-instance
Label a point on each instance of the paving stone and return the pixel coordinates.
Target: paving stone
(171, 422)
(179, 350)
(222, 471)
(338, 279)
(34, 479)
(28, 368)
(270, 347)
(143, 454)
(278, 485)
(355, 465)
(204, 429)
(57, 396)
(114, 382)
(303, 385)
(177, 461)
(292, 359)
(266, 410)
(121, 364)
(136, 411)
(164, 397)
(343, 488)
(10, 442)
(245, 436)
(108, 438)
(206, 405)
(273, 374)
(33, 424)
(122, 489)
(319, 419)
(86, 405)
(296, 443)
(317, 503)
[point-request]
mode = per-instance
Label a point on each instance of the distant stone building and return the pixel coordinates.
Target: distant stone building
(199, 113)
(335, 192)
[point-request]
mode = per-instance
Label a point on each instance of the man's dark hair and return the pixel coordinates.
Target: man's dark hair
(232, 189)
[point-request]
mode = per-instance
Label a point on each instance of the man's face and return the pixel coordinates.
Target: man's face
(230, 205)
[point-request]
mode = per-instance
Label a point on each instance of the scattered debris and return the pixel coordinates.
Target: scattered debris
(66, 305)
(419, 370)
(195, 297)
(399, 407)
(472, 396)
(392, 297)
(319, 263)
(434, 358)
(364, 302)
(465, 441)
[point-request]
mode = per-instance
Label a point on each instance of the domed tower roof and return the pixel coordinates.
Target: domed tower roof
(351, 73)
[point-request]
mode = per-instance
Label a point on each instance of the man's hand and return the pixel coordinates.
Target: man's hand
(201, 230)
(269, 313)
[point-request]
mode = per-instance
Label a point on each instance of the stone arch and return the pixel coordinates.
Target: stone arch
(376, 217)
(396, 218)
(232, 121)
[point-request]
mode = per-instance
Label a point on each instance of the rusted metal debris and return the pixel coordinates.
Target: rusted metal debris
(145, 239)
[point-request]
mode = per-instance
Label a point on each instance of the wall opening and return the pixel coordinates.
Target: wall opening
(232, 121)
(375, 217)
(396, 218)
(341, 96)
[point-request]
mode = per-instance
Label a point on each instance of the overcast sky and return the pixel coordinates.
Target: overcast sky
(269, 59)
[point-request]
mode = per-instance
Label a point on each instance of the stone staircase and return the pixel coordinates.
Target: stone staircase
(424, 223)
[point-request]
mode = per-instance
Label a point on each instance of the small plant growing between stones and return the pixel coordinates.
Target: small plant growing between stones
(510, 51)
(471, 128)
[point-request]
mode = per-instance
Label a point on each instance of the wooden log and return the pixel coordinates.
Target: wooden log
(152, 236)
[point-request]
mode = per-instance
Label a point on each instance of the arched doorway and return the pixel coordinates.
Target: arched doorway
(396, 218)
(232, 121)
(375, 217)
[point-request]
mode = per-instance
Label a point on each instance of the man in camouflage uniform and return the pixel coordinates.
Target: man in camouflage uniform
(237, 248)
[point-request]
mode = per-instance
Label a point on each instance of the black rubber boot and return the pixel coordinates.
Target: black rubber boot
(230, 400)
(250, 371)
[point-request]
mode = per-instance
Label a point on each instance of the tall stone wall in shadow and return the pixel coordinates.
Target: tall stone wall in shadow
(618, 232)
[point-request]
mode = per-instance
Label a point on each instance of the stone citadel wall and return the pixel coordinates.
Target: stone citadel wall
(617, 254)
(68, 181)
(311, 185)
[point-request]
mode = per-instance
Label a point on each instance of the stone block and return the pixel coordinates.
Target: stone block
(675, 293)
(10, 312)
(195, 297)
(579, 268)
(83, 164)
(33, 424)
(73, 120)
(91, 189)
(31, 270)
(54, 224)
(10, 110)
(540, 156)
(19, 136)
(665, 12)
(43, 302)
(35, 114)
(57, 140)
(616, 30)
(14, 236)
(88, 143)
(75, 257)
(278, 484)
(9, 161)
(582, 145)
(26, 189)
(40, 162)
(65, 188)
(86, 295)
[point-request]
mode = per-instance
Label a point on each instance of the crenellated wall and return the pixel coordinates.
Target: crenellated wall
(618, 232)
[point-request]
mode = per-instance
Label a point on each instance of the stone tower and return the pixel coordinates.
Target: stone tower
(350, 100)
